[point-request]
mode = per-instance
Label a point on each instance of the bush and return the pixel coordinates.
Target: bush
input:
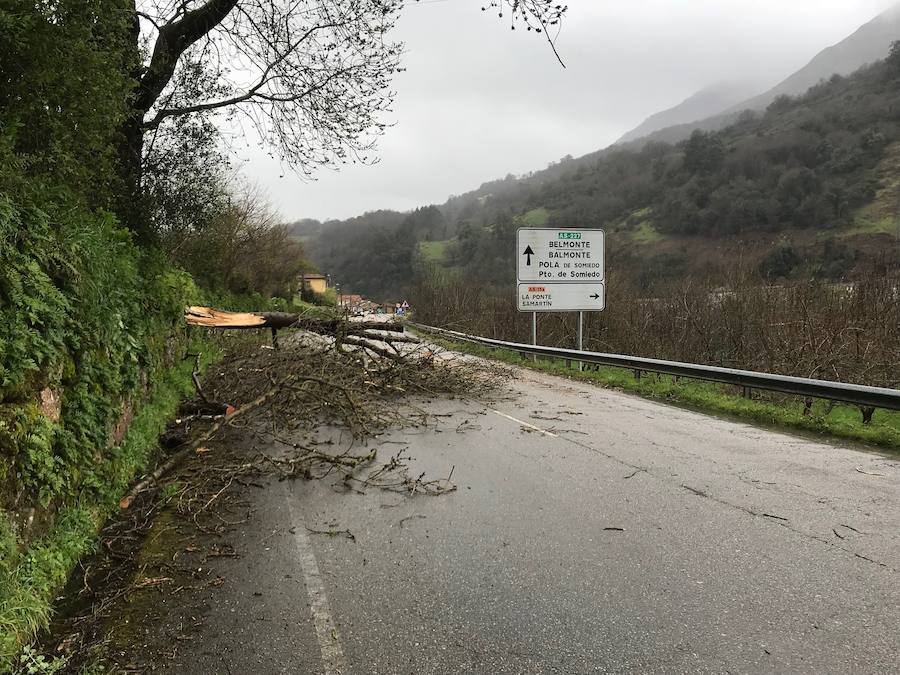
(86, 315)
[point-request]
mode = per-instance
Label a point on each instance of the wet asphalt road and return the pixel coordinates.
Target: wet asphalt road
(592, 532)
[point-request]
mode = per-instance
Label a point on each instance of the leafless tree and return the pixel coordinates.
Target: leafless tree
(312, 76)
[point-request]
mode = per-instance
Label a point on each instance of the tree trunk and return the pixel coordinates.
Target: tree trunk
(130, 207)
(130, 202)
(217, 318)
(173, 39)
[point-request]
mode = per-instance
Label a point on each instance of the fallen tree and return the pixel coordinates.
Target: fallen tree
(364, 335)
(217, 318)
(303, 387)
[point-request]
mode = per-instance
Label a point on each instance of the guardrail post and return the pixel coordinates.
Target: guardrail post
(746, 392)
(637, 374)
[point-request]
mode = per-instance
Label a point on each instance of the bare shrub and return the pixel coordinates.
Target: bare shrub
(242, 248)
(848, 331)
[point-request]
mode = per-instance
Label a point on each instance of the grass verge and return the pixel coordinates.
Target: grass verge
(30, 579)
(767, 408)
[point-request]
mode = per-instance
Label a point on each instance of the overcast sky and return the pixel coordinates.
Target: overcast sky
(479, 101)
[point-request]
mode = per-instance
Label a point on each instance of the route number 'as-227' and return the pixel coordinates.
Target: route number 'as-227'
(545, 254)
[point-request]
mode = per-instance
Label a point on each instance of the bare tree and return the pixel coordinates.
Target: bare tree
(312, 76)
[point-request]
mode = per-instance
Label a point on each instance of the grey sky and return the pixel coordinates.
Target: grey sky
(479, 101)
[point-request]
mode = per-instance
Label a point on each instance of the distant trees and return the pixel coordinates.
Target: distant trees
(893, 59)
(239, 248)
(703, 153)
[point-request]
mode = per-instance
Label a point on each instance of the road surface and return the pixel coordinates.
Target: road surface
(592, 532)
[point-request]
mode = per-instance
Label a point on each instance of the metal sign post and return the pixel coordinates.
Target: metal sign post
(580, 342)
(560, 271)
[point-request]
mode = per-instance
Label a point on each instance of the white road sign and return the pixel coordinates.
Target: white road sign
(538, 296)
(572, 256)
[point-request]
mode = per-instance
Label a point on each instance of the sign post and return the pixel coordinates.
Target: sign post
(560, 270)
(580, 342)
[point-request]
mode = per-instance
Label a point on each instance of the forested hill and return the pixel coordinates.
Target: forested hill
(709, 110)
(807, 188)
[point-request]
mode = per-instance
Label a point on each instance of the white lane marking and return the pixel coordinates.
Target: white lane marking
(524, 424)
(326, 629)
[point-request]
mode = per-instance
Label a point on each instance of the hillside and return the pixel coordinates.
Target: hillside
(705, 103)
(864, 46)
(805, 189)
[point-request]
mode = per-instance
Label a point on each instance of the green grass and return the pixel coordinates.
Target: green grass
(434, 251)
(30, 580)
(841, 421)
(864, 224)
(639, 226)
(641, 214)
(535, 218)
(646, 234)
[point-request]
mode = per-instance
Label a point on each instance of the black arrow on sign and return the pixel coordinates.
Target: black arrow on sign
(528, 252)
(595, 296)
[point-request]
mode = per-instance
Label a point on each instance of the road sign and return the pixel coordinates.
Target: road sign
(554, 255)
(560, 297)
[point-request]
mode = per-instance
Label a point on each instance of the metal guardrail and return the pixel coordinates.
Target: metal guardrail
(862, 395)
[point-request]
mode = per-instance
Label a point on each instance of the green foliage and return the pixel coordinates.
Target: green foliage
(779, 263)
(91, 323)
(434, 251)
(535, 218)
(646, 234)
(30, 578)
(63, 94)
(33, 663)
(309, 297)
(375, 254)
(86, 314)
(83, 311)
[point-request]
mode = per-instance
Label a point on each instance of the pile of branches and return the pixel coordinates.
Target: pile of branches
(363, 380)
(298, 386)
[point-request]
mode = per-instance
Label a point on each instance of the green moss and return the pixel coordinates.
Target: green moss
(838, 421)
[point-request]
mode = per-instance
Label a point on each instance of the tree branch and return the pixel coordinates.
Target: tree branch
(173, 40)
(246, 96)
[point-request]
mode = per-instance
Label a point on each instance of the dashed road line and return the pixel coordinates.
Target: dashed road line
(326, 629)
(524, 424)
